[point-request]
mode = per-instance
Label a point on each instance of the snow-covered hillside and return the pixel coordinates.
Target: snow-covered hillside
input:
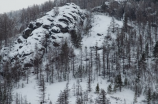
(100, 25)
(99, 30)
(52, 33)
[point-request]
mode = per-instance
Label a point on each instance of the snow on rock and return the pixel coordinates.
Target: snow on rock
(56, 22)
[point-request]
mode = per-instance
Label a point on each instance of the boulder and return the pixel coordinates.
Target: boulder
(55, 44)
(51, 20)
(73, 16)
(46, 26)
(36, 38)
(53, 37)
(55, 29)
(38, 24)
(64, 20)
(20, 47)
(99, 34)
(19, 40)
(34, 25)
(31, 26)
(70, 20)
(26, 33)
(64, 30)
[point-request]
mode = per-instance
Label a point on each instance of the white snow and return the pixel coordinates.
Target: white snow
(31, 91)
(100, 25)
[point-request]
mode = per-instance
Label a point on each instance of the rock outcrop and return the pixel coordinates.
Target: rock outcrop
(55, 23)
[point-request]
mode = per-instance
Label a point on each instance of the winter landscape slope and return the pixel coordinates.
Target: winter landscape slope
(50, 31)
(51, 25)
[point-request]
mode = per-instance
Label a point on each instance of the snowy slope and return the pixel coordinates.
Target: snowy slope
(31, 92)
(54, 27)
(99, 26)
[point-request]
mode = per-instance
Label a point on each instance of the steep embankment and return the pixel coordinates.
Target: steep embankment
(50, 29)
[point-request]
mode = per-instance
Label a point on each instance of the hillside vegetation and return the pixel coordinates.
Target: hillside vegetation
(94, 53)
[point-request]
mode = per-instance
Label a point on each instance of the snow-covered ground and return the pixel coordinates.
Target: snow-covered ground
(99, 26)
(31, 91)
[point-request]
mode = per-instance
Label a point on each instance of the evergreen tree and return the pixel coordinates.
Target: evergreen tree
(113, 25)
(125, 82)
(102, 98)
(89, 80)
(143, 58)
(78, 88)
(63, 97)
(147, 50)
(155, 52)
(118, 81)
(66, 96)
(138, 77)
(79, 100)
(154, 97)
(64, 58)
(97, 88)
(109, 89)
(76, 39)
(80, 72)
(125, 23)
(149, 96)
(60, 98)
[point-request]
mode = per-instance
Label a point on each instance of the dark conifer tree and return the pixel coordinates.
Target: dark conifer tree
(102, 98)
(148, 96)
(109, 89)
(97, 88)
(76, 39)
(118, 81)
(155, 52)
(125, 23)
